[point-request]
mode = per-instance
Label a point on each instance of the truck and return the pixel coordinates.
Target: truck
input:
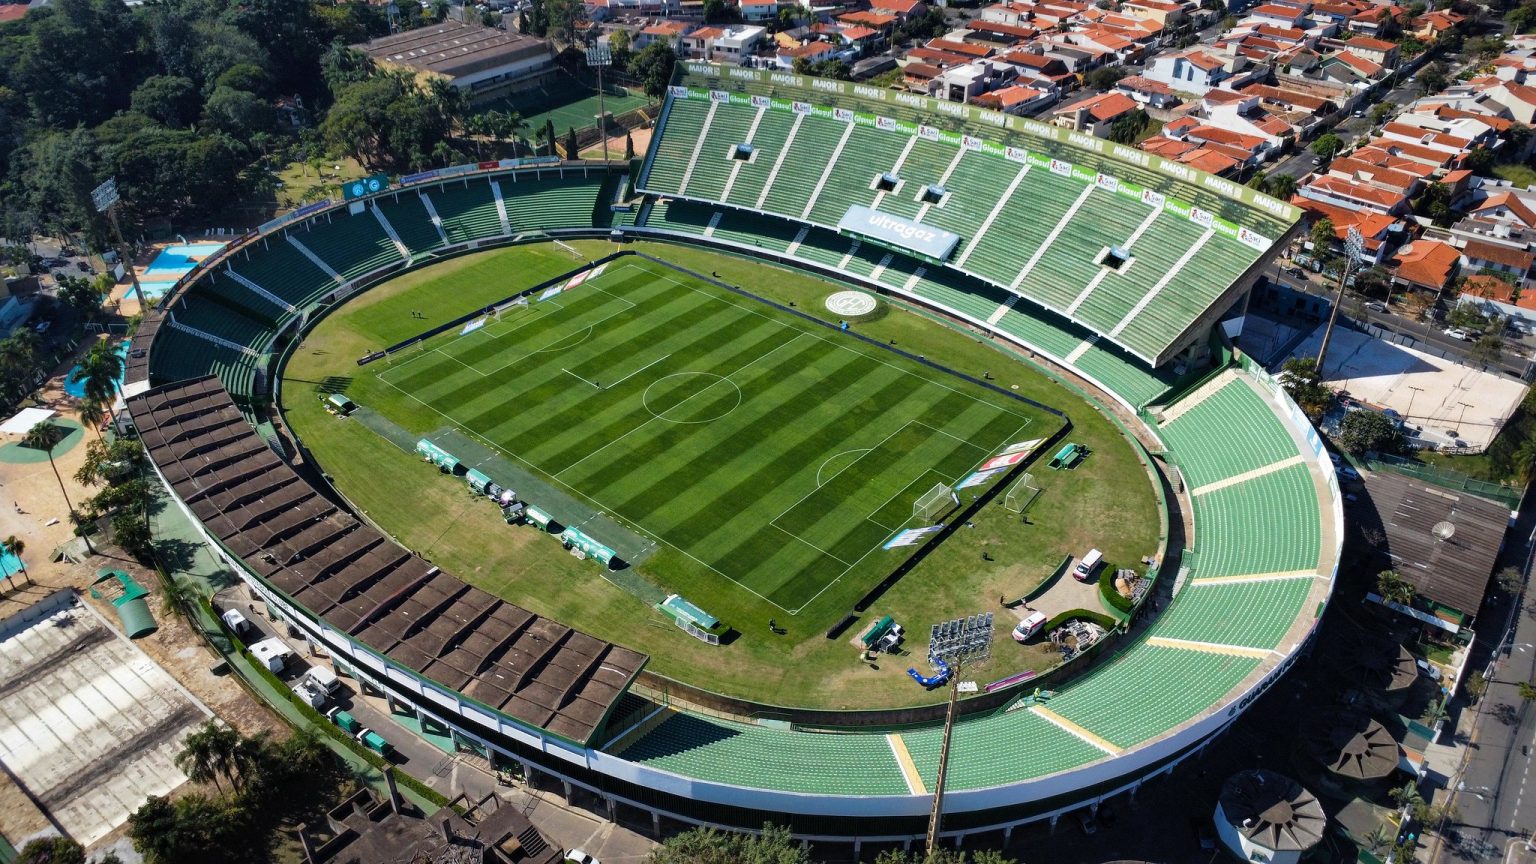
(344, 721)
(375, 742)
(323, 680)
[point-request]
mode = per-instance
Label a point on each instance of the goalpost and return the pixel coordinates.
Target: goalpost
(571, 249)
(1022, 494)
(934, 503)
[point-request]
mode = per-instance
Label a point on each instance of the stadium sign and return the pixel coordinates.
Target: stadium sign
(355, 189)
(894, 231)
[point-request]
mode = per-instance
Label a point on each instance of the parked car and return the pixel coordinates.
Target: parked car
(1376, 306)
(1457, 333)
(42, 327)
(576, 856)
(1032, 624)
(1348, 473)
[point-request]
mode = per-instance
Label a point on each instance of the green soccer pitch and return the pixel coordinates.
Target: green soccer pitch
(776, 452)
(700, 474)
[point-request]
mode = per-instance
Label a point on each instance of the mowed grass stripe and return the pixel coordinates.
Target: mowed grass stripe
(538, 421)
(564, 438)
(485, 402)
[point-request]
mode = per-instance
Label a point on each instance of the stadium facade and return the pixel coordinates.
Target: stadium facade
(1033, 211)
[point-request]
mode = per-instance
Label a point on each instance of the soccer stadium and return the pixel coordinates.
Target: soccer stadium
(740, 406)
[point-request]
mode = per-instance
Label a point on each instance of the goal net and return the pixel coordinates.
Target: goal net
(934, 503)
(571, 249)
(1021, 494)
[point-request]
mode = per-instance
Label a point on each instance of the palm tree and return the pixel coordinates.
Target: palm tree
(44, 436)
(92, 414)
(204, 755)
(101, 369)
(15, 546)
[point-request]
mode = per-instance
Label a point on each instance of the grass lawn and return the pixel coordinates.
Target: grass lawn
(302, 183)
(1520, 174)
(618, 413)
(570, 103)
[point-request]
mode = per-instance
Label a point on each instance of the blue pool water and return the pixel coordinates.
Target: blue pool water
(155, 290)
(77, 388)
(178, 259)
(9, 564)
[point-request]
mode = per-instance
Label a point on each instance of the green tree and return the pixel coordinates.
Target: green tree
(1305, 386)
(1105, 77)
(101, 370)
(15, 546)
(52, 850)
(45, 436)
(169, 100)
(1282, 186)
(1362, 431)
(1433, 77)
(1488, 348)
(567, 20)
(629, 146)
(619, 47)
(81, 295)
(1322, 237)
(1381, 111)
(1527, 690)
(571, 147)
(1510, 580)
(1328, 146)
(208, 754)
(1393, 587)
(708, 846)
(1128, 128)
(652, 67)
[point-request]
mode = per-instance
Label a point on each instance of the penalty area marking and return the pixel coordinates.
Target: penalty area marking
(645, 399)
(820, 482)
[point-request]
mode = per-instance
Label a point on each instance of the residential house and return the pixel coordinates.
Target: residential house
(1193, 71)
(698, 43)
(874, 21)
(736, 44)
(1095, 115)
(1153, 94)
(667, 32)
(811, 52)
(1479, 256)
(1428, 265)
(1495, 296)
(1379, 231)
(1378, 51)
(998, 35)
(966, 82)
(1016, 99)
(1433, 25)
(1039, 70)
(1166, 14)
(902, 9)
(1504, 205)
(1211, 158)
(1518, 100)
(1354, 195)
(1284, 15)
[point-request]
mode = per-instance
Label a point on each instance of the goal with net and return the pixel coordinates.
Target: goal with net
(934, 503)
(1021, 494)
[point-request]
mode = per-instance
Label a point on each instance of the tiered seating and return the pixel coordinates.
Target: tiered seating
(467, 208)
(1191, 290)
(232, 293)
(179, 355)
(741, 754)
(1067, 267)
(868, 153)
(684, 121)
(1228, 433)
(283, 271)
(354, 246)
(1026, 321)
(1021, 227)
(924, 165)
(975, 300)
(713, 166)
(824, 247)
(678, 215)
(769, 140)
(1147, 690)
(551, 201)
(750, 229)
(1157, 256)
(976, 745)
(410, 219)
(973, 189)
(207, 314)
(1265, 525)
(803, 165)
(1124, 375)
(1250, 614)
(865, 258)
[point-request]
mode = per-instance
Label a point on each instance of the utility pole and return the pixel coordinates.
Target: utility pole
(598, 56)
(106, 199)
(1354, 244)
(938, 785)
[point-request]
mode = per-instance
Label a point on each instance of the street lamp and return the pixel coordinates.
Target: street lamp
(106, 199)
(599, 56)
(1354, 245)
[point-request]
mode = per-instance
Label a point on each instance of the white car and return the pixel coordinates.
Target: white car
(1457, 333)
(1027, 628)
(576, 856)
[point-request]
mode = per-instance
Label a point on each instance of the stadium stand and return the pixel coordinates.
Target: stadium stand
(1203, 235)
(1261, 516)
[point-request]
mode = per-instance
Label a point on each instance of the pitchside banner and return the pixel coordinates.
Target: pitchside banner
(934, 243)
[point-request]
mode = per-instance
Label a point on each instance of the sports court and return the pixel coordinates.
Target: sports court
(571, 102)
(90, 725)
(776, 452)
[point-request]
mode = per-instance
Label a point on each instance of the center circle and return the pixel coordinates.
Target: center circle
(691, 397)
(851, 303)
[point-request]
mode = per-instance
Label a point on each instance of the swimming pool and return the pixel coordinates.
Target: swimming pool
(77, 388)
(9, 564)
(178, 259)
(155, 289)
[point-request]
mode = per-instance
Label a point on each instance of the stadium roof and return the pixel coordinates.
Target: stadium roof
(453, 49)
(1455, 571)
(531, 668)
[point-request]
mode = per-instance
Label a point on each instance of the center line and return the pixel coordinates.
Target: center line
(578, 377)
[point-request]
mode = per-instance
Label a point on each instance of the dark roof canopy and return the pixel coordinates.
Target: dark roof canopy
(531, 668)
(1453, 571)
(1273, 810)
(454, 49)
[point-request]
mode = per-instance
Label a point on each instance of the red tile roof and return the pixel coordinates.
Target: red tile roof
(1505, 255)
(1370, 44)
(1104, 107)
(13, 12)
(1511, 202)
(1426, 262)
(1494, 288)
(1350, 190)
(956, 47)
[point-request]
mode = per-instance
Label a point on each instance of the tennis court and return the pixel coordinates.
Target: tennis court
(571, 102)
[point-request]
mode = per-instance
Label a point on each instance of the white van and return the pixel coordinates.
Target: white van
(1086, 568)
(1029, 626)
(323, 679)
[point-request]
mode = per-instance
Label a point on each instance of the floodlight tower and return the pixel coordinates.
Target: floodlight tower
(598, 56)
(935, 814)
(1354, 245)
(106, 199)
